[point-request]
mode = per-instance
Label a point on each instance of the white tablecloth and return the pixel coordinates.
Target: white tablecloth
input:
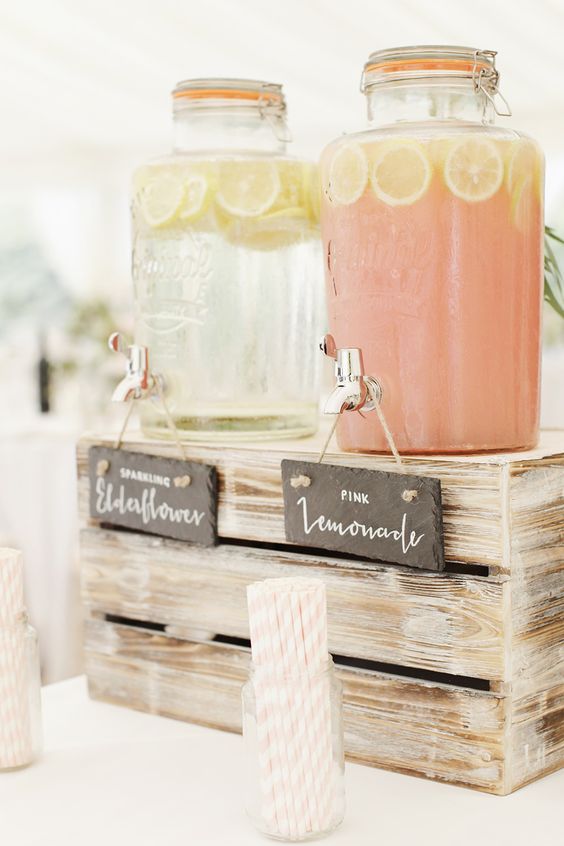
(114, 777)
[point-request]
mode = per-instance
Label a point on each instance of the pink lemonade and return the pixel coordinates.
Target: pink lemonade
(433, 244)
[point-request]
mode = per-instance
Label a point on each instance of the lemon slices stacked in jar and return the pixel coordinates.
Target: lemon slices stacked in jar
(258, 203)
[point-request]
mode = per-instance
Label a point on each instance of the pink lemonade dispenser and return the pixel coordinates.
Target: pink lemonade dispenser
(432, 223)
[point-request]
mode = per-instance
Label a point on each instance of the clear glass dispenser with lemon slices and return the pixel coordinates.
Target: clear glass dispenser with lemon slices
(432, 223)
(227, 267)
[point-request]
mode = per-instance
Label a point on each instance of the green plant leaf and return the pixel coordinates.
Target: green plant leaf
(553, 280)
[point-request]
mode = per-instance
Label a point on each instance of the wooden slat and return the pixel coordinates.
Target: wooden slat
(251, 501)
(444, 623)
(537, 735)
(537, 584)
(414, 727)
(536, 634)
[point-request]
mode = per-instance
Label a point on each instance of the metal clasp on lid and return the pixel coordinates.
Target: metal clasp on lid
(486, 80)
(275, 113)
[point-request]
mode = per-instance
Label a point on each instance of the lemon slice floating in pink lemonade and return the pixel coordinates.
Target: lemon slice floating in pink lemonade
(473, 169)
(347, 176)
(401, 173)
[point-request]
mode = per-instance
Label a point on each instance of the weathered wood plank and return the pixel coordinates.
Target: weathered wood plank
(388, 720)
(536, 635)
(537, 585)
(537, 735)
(444, 623)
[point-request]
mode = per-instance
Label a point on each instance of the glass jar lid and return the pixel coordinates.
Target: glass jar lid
(230, 93)
(429, 63)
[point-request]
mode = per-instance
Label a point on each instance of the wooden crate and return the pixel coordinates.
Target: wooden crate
(457, 676)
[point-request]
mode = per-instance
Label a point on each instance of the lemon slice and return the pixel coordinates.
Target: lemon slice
(348, 175)
(312, 191)
(195, 194)
(161, 198)
(524, 162)
(297, 213)
(522, 201)
(270, 231)
(474, 169)
(247, 188)
(401, 173)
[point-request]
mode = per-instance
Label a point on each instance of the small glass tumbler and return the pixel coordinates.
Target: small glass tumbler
(20, 696)
(295, 765)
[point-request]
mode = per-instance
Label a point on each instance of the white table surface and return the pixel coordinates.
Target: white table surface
(114, 777)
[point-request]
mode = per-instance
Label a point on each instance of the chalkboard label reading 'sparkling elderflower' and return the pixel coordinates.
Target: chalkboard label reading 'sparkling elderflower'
(161, 496)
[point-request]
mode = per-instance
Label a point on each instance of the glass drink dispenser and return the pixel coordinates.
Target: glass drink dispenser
(227, 267)
(432, 223)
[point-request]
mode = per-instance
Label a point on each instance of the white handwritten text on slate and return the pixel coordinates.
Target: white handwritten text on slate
(390, 517)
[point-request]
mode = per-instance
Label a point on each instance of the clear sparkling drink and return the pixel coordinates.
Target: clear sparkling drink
(227, 268)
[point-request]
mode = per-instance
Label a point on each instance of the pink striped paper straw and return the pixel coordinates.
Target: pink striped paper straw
(16, 737)
(275, 811)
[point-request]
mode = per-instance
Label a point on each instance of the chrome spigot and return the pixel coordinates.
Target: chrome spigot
(138, 381)
(354, 390)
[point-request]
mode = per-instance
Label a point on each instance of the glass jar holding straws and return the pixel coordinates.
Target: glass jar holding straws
(292, 714)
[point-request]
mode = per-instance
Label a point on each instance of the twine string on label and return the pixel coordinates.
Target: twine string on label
(125, 423)
(302, 480)
(328, 438)
(388, 435)
(409, 494)
(169, 419)
(385, 428)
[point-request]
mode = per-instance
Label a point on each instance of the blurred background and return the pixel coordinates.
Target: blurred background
(84, 98)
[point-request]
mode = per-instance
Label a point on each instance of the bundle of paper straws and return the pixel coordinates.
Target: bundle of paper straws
(16, 739)
(288, 625)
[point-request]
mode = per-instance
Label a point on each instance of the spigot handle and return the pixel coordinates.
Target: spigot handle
(328, 346)
(117, 344)
(354, 390)
(139, 382)
(137, 356)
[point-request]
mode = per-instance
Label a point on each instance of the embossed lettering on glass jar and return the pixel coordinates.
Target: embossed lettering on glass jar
(432, 223)
(227, 269)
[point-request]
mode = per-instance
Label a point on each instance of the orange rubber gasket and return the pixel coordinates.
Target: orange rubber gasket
(226, 94)
(426, 64)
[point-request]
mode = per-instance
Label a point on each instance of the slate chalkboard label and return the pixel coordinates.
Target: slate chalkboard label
(148, 493)
(391, 517)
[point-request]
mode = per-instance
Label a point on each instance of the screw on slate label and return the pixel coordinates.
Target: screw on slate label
(182, 481)
(300, 481)
(102, 467)
(409, 496)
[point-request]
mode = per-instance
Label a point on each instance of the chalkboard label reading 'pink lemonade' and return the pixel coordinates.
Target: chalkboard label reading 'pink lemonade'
(149, 493)
(390, 517)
